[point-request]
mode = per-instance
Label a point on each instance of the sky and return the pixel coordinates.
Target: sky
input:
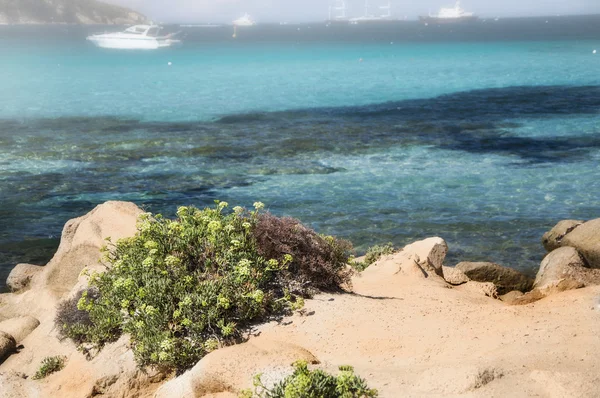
(317, 10)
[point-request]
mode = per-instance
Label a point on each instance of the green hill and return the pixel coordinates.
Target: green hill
(66, 11)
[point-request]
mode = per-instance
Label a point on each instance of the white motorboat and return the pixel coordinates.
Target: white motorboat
(138, 37)
(246, 20)
(450, 15)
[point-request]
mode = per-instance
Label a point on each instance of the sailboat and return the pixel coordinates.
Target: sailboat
(337, 12)
(386, 16)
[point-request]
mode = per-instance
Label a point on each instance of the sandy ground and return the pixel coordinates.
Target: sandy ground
(422, 338)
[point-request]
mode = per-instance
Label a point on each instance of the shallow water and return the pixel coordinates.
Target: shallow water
(486, 144)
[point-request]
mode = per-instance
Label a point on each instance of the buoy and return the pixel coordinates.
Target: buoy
(360, 60)
(594, 52)
(170, 63)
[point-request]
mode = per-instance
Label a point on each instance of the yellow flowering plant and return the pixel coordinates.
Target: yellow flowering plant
(181, 288)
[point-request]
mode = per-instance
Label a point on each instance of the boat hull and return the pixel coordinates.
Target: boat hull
(132, 44)
(443, 21)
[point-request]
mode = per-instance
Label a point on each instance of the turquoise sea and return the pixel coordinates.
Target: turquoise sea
(484, 134)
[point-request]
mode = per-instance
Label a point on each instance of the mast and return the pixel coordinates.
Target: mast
(339, 6)
(388, 14)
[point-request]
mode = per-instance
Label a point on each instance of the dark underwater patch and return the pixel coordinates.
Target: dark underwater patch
(82, 161)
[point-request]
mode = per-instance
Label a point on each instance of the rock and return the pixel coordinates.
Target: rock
(586, 239)
(232, 369)
(420, 259)
(486, 288)
(8, 345)
(552, 239)
(505, 279)
(429, 254)
(81, 241)
(19, 327)
(455, 276)
(562, 269)
(565, 268)
(511, 298)
(20, 276)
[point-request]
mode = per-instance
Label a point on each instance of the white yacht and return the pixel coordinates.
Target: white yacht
(138, 37)
(450, 15)
(246, 20)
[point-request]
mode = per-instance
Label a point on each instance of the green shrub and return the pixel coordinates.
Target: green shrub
(182, 288)
(48, 366)
(374, 253)
(304, 383)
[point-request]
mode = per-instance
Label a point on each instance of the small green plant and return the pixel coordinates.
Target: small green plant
(48, 366)
(304, 383)
(182, 288)
(374, 253)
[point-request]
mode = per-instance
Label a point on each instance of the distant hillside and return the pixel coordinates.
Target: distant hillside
(66, 11)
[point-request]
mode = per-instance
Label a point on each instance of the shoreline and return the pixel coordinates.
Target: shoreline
(409, 325)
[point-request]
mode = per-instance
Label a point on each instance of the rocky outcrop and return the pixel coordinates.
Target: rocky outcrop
(232, 369)
(552, 239)
(8, 345)
(505, 279)
(20, 327)
(20, 277)
(81, 241)
(66, 12)
(80, 245)
(586, 239)
(422, 259)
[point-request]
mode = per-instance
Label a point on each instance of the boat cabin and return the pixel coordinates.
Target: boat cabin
(144, 30)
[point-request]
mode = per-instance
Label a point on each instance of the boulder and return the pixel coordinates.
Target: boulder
(455, 276)
(19, 327)
(429, 254)
(232, 369)
(8, 345)
(81, 241)
(505, 279)
(565, 264)
(586, 239)
(420, 259)
(20, 276)
(552, 239)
